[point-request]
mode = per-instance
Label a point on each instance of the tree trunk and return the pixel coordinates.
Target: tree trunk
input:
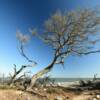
(42, 72)
(39, 74)
(12, 80)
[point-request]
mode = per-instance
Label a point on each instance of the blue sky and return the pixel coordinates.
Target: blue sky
(24, 14)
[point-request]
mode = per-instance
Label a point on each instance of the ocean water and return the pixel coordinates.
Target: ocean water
(69, 79)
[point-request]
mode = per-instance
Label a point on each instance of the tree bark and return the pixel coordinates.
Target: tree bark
(39, 74)
(45, 70)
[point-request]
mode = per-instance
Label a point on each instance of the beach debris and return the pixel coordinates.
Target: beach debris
(44, 89)
(58, 98)
(58, 84)
(36, 89)
(67, 98)
(86, 93)
(28, 98)
(94, 99)
(98, 96)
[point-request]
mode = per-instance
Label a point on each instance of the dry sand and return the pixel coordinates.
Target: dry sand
(10, 94)
(16, 95)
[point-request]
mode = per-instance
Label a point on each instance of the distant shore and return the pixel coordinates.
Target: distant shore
(67, 84)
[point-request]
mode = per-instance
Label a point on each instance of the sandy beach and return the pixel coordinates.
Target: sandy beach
(11, 94)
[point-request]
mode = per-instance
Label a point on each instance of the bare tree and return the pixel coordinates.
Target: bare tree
(72, 33)
(14, 77)
(23, 39)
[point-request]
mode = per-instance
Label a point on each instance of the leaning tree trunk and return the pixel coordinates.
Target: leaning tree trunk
(39, 74)
(42, 72)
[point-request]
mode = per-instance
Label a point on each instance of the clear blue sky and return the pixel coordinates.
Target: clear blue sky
(23, 14)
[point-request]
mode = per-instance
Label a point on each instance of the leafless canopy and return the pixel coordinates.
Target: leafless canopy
(24, 39)
(73, 33)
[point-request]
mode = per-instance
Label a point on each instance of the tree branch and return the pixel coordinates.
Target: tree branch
(21, 50)
(86, 53)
